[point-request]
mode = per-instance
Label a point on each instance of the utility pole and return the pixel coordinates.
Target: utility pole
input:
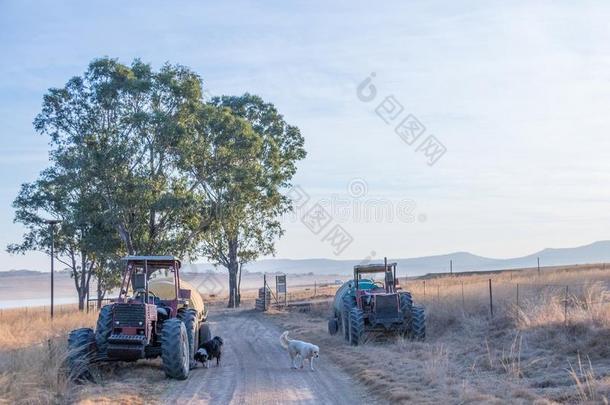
(52, 223)
(451, 267)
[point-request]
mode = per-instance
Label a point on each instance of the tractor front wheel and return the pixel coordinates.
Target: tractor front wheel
(333, 326)
(175, 349)
(81, 349)
(205, 333)
(189, 318)
(356, 326)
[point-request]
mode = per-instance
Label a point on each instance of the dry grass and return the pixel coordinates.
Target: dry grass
(32, 354)
(524, 354)
(22, 327)
(527, 353)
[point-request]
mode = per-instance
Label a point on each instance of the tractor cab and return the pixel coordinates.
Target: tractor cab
(138, 313)
(136, 288)
(378, 300)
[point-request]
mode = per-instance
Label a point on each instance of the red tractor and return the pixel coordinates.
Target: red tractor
(153, 316)
(365, 305)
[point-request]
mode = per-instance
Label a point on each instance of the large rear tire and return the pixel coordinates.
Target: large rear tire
(406, 307)
(189, 318)
(81, 349)
(349, 302)
(175, 349)
(103, 328)
(356, 326)
(406, 301)
(418, 323)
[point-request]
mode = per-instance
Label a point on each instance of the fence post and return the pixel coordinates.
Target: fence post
(315, 288)
(424, 288)
(491, 304)
(438, 293)
(565, 308)
(264, 292)
(517, 295)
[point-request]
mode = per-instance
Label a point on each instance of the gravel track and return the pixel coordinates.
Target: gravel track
(255, 369)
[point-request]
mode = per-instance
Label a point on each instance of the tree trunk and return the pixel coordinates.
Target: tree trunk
(238, 297)
(100, 294)
(126, 238)
(233, 267)
(82, 292)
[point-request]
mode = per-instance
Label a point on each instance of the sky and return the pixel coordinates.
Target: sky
(515, 92)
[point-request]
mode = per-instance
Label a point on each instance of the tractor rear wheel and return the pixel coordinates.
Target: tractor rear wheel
(349, 302)
(356, 326)
(81, 349)
(205, 333)
(175, 349)
(333, 326)
(418, 323)
(189, 318)
(103, 329)
(406, 302)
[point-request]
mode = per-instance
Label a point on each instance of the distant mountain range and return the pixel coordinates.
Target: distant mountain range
(598, 252)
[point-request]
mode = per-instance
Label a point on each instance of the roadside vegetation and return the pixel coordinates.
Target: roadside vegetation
(525, 354)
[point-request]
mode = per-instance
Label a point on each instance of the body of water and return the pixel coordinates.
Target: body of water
(36, 302)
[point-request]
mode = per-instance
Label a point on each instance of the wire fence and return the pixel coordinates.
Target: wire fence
(92, 305)
(498, 297)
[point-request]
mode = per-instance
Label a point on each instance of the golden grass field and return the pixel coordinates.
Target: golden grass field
(524, 354)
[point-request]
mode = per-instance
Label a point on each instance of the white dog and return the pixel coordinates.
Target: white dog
(297, 348)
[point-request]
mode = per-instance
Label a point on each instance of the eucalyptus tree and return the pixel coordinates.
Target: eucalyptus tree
(241, 155)
(82, 240)
(117, 127)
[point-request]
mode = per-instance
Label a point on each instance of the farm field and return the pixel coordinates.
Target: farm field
(524, 354)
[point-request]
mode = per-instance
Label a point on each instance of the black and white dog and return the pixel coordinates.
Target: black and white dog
(210, 350)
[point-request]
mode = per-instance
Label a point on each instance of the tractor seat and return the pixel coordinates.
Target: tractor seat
(366, 285)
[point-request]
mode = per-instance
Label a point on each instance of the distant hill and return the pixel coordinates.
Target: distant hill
(598, 252)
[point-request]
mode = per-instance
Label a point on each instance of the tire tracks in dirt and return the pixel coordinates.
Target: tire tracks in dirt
(256, 370)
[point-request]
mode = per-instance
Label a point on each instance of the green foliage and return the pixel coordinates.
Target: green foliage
(241, 154)
(141, 164)
(118, 127)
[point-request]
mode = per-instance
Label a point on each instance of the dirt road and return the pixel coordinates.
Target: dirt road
(256, 370)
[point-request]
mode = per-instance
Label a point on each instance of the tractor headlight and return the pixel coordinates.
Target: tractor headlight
(140, 323)
(117, 322)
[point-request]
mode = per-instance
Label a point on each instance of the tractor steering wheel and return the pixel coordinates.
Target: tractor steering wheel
(378, 284)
